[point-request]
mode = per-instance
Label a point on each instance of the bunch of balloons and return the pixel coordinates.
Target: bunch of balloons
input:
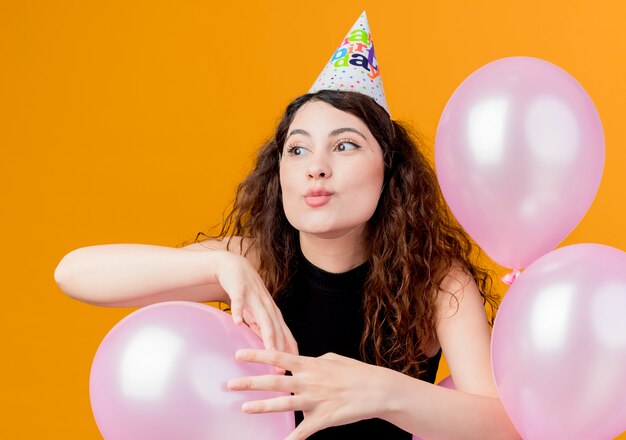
(161, 373)
(519, 155)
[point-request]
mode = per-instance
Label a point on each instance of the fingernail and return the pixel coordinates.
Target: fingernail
(239, 354)
(246, 407)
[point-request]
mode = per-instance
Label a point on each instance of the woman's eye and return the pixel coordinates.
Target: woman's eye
(296, 151)
(346, 146)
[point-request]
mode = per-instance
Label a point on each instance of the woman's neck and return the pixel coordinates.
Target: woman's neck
(335, 255)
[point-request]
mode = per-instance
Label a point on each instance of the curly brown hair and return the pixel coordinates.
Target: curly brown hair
(413, 240)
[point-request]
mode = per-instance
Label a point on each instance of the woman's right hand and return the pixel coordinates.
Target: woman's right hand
(250, 302)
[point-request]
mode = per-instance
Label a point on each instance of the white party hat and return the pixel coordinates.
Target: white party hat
(353, 66)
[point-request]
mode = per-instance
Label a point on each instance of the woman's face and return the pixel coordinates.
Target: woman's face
(331, 171)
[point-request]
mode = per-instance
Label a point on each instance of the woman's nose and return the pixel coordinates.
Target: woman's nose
(318, 169)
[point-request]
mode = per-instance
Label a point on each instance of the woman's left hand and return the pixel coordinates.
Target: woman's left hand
(330, 390)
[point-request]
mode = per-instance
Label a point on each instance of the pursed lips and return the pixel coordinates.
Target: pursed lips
(317, 197)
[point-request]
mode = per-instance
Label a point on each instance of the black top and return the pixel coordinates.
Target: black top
(323, 310)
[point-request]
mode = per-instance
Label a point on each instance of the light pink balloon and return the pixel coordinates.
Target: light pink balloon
(161, 373)
(519, 154)
(447, 382)
(559, 345)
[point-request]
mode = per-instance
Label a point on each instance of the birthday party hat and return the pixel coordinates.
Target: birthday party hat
(353, 66)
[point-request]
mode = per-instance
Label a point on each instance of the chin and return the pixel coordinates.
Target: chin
(325, 225)
(316, 229)
(328, 232)
(328, 235)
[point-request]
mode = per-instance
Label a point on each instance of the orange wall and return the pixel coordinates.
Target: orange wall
(132, 122)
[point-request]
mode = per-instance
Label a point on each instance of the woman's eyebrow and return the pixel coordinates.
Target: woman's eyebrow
(338, 131)
(335, 132)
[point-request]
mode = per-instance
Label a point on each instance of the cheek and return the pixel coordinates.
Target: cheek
(373, 178)
(368, 190)
(287, 188)
(286, 183)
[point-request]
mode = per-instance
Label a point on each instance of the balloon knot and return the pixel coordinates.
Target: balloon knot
(510, 278)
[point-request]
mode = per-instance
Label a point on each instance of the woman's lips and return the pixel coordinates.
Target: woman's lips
(315, 201)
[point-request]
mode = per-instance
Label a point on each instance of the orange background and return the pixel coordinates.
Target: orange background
(132, 122)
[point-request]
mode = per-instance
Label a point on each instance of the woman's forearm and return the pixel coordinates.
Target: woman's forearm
(433, 412)
(133, 275)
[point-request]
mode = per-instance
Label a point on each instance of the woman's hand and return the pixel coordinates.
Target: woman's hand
(331, 390)
(252, 303)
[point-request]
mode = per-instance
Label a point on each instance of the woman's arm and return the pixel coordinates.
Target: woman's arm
(433, 412)
(473, 409)
(135, 275)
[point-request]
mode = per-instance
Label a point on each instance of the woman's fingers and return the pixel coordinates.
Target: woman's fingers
(290, 342)
(303, 430)
(251, 303)
(275, 318)
(270, 382)
(279, 359)
(251, 322)
(284, 338)
(236, 309)
(278, 404)
(254, 326)
(262, 317)
(270, 320)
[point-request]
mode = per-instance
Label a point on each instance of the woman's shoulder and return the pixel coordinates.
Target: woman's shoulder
(244, 246)
(456, 282)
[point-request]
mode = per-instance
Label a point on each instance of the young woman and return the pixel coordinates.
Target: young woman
(339, 235)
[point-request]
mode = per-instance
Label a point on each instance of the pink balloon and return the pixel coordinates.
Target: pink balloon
(559, 345)
(447, 382)
(161, 373)
(519, 154)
